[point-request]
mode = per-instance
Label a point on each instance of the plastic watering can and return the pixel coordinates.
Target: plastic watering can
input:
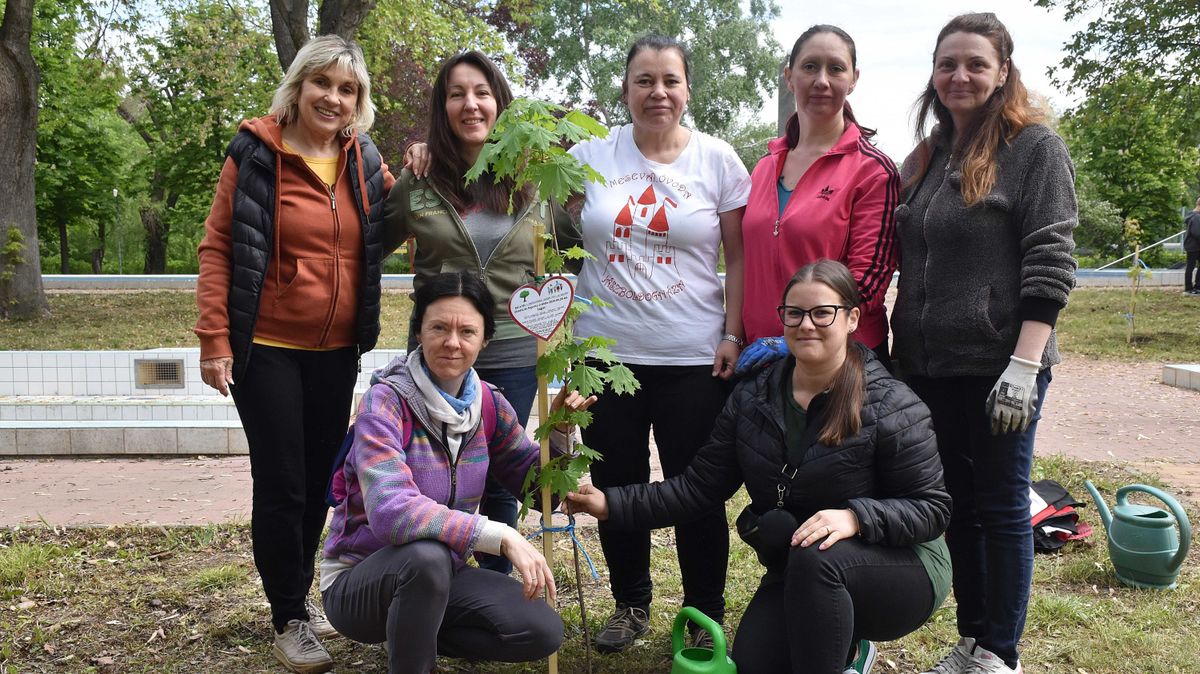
(699, 660)
(1143, 545)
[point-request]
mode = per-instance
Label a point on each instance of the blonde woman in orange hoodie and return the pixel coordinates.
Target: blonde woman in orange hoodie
(289, 294)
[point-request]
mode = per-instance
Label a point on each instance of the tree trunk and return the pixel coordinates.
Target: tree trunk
(21, 293)
(156, 241)
(289, 24)
(342, 17)
(98, 253)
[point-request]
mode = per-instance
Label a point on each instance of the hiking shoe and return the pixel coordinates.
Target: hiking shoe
(984, 661)
(318, 622)
(300, 650)
(956, 660)
(623, 627)
(865, 660)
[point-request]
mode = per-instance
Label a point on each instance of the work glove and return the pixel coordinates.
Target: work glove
(1011, 402)
(761, 353)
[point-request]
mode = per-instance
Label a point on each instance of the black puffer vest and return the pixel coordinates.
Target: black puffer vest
(253, 233)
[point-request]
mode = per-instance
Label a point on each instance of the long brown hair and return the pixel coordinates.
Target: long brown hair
(448, 165)
(848, 389)
(792, 129)
(1005, 113)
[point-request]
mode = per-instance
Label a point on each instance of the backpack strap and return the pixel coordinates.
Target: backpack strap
(335, 488)
(489, 412)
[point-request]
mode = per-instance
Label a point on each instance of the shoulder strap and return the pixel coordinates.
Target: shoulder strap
(335, 488)
(489, 413)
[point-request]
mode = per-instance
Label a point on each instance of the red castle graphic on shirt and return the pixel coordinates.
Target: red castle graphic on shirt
(647, 218)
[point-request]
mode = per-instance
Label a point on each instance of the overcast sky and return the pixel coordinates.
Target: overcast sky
(895, 44)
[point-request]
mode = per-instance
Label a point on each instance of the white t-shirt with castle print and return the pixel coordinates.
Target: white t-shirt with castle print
(655, 231)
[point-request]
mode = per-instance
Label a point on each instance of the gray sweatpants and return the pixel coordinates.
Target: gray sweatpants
(411, 597)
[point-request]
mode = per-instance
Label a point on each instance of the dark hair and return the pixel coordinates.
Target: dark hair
(792, 130)
(448, 166)
(848, 390)
(1003, 116)
(454, 284)
(658, 42)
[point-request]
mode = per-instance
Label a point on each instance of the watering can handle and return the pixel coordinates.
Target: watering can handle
(1185, 526)
(705, 623)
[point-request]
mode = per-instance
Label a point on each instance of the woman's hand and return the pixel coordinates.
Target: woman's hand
(217, 373)
(727, 358)
(417, 160)
(573, 402)
(535, 572)
(832, 525)
(587, 500)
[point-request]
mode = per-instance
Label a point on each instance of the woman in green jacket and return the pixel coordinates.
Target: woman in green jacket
(467, 227)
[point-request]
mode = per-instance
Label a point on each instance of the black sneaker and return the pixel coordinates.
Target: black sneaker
(622, 629)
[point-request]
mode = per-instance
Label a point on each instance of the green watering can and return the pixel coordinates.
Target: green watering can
(699, 660)
(1142, 542)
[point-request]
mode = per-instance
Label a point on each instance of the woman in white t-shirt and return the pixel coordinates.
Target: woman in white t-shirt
(673, 197)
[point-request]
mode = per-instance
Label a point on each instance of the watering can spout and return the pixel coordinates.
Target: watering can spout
(1101, 507)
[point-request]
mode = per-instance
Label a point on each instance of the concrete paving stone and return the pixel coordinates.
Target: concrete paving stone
(203, 440)
(43, 441)
(86, 441)
(151, 441)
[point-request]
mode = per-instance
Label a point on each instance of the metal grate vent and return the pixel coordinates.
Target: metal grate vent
(158, 373)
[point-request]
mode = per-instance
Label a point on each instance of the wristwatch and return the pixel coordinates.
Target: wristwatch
(735, 339)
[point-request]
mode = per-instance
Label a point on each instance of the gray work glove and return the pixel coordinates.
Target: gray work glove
(1011, 402)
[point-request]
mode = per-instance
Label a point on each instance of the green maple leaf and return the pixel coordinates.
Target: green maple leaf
(622, 380)
(577, 253)
(604, 355)
(587, 380)
(587, 452)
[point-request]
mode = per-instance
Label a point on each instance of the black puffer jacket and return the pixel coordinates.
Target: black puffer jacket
(889, 474)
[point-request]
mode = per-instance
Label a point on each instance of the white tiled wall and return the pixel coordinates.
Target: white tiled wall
(108, 373)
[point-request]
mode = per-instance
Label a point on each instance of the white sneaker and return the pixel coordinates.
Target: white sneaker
(957, 660)
(984, 661)
(319, 623)
(300, 650)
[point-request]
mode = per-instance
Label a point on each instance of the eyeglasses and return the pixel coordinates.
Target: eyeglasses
(821, 316)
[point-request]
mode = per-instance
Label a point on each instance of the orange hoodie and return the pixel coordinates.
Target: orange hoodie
(309, 297)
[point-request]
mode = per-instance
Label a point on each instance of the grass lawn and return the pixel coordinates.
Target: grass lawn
(187, 600)
(1168, 323)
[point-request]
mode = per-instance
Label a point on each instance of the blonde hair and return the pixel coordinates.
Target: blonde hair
(317, 55)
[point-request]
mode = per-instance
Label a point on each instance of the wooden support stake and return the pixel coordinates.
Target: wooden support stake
(539, 268)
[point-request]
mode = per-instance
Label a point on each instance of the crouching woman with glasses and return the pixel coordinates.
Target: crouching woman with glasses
(847, 501)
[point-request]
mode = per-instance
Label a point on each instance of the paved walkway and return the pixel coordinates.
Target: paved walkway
(1095, 410)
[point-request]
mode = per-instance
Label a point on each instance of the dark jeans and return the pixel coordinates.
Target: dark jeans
(809, 617)
(680, 403)
(295, 408)
(519, 386)
(990, 537)
(410, 597)
(1191, 273)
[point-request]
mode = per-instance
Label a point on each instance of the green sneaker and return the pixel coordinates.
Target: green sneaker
(865, 660)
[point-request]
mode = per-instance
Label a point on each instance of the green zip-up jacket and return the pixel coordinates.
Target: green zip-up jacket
(415, 210)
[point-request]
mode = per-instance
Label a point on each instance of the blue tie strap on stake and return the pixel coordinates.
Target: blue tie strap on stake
(569, 529)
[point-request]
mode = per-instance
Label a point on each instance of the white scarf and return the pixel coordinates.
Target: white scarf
(453, 423)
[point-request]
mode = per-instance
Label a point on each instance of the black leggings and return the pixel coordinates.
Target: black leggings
(295, 407)
(809, 617)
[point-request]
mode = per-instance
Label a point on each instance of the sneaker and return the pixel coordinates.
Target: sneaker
(319, 623)
(865, 660)
(300, 650)
(957, 660)
(623, 627)
(700, 638)
(984, 661)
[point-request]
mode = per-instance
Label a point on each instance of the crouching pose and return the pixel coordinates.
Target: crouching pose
(847, 501)
(426, 434)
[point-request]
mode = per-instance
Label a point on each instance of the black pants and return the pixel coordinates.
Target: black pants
(295, 407)
(680, 403)
(411, 597)
(809, 617)
(1191, 273)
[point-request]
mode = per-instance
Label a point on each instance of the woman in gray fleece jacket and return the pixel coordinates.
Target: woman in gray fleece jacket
(985, 234)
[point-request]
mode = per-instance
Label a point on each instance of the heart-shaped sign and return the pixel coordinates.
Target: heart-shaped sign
(539, 310)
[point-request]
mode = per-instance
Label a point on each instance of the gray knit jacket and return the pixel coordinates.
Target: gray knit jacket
(969, 276)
